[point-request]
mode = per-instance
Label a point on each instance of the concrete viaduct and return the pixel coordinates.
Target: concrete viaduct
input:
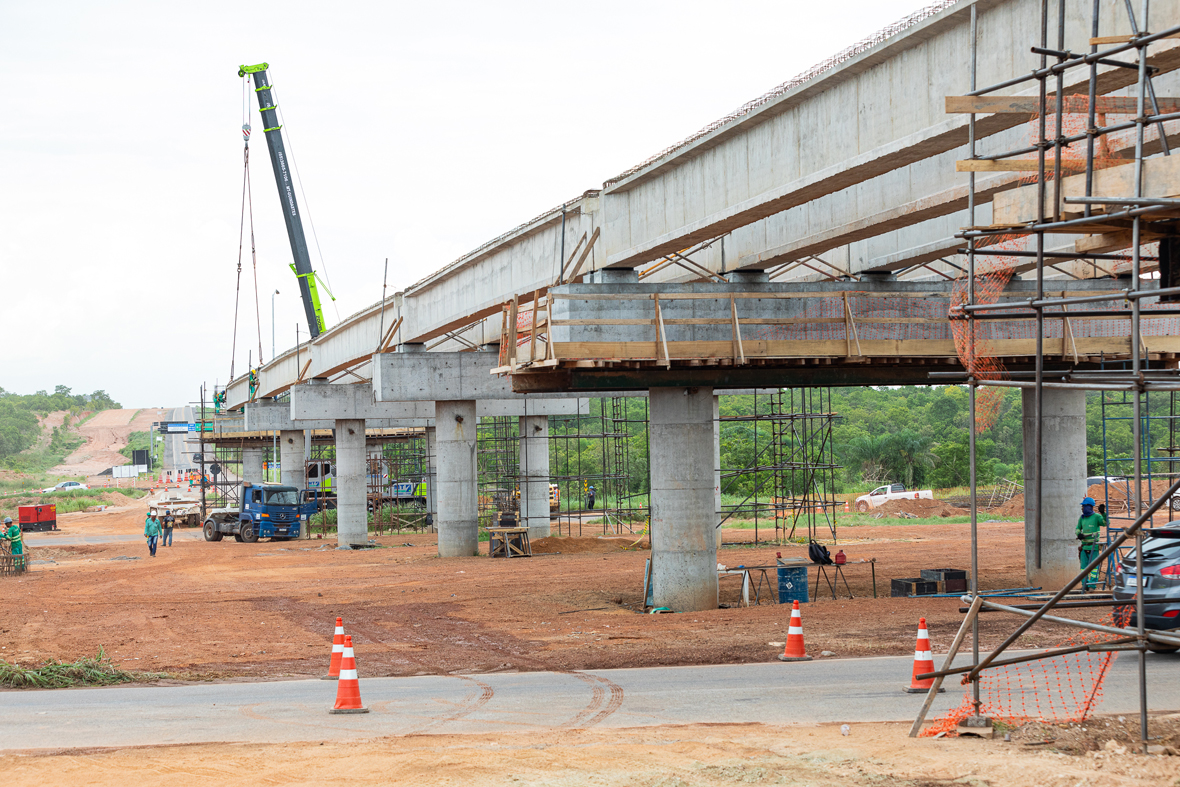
(807, 239)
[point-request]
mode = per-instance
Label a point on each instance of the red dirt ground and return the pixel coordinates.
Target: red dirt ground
(267, 609)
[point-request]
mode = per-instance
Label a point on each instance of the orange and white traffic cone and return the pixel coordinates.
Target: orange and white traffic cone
(795, 651)
(337, 651)
(923, 662)
(348, 688)
(846, 511)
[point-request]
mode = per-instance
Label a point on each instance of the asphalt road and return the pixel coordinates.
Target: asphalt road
(830, 690)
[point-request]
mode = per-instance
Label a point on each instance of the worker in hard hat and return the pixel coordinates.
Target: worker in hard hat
(167, 523)
(151, 531)
(1089, 530)
(12, 535)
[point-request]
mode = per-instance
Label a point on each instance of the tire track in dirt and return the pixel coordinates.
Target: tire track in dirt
(599, 708)
(468, 705)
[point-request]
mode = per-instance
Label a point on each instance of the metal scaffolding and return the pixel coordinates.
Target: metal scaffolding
(1095, 214)
(791, 476)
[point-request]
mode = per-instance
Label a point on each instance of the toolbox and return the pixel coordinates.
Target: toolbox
(912, 586)
(950, 580)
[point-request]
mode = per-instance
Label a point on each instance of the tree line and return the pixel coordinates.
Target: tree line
(19, 424)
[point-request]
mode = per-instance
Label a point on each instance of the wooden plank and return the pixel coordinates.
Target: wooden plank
(836, 348)
(392, 332)
(513, 331)
(533, 333)
(585, 253)
(739, 352)
(1161, 178)
(662, 333)
(565, 266)
(1014, 165)
(1104, 40)
(1031, 105)
(1067, 330)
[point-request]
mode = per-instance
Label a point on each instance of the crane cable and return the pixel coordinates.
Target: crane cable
(247, 207)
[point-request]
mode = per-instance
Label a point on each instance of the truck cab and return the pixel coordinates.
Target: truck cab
(265, 511)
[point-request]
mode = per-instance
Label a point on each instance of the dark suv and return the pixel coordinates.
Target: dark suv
(1161, 580)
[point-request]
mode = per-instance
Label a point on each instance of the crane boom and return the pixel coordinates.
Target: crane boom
(279, 163)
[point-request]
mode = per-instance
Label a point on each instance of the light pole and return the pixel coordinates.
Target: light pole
(272, 324)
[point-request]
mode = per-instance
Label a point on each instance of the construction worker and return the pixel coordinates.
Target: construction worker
(590, 498)
(151, 531)
(12, 536)
(1088, 531)
(167, 523)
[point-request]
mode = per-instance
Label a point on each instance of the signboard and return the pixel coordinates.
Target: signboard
(181, 427)
(128, 471)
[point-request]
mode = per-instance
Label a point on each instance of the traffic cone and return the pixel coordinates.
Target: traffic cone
(794, 651)
(923, 662)
(846, 511)
(337, 651)
(348, 688)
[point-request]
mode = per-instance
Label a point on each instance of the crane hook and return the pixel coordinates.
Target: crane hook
(246, 133)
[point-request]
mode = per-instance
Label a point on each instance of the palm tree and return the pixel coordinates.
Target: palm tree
(870, 453)
(910, 451)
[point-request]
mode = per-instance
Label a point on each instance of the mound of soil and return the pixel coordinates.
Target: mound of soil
(572, 545)
(1013, 508)
(1106, 734)
(920, 508)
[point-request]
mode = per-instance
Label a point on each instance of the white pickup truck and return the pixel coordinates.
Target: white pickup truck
(884, 494)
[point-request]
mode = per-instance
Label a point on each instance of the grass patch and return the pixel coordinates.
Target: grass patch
(96, 671)
(66, 502)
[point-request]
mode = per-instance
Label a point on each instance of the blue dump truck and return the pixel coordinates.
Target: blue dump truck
(266, 511)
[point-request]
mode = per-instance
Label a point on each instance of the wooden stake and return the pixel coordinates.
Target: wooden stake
(739, 353)
(533, 337)
(662, 333)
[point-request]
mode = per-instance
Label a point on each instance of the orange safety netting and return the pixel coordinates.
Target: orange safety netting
(1064, 688)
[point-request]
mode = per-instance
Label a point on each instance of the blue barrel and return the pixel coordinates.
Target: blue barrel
(792, 584)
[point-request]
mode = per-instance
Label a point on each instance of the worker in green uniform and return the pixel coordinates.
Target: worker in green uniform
(1088, 531)
(11, 534)
(151, 531)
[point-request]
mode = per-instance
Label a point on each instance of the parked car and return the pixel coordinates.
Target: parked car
(889, 492)
(1160, 581)
(67, 486)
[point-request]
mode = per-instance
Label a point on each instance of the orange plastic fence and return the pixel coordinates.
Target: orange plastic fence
(1058, 689)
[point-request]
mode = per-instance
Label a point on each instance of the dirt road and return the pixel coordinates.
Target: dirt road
(105, 434)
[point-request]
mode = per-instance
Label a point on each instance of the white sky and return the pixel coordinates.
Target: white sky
(420, 131)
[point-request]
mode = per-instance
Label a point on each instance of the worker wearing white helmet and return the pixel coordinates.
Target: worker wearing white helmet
(12, 536)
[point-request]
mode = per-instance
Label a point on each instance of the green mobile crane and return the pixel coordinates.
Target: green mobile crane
(280, 164)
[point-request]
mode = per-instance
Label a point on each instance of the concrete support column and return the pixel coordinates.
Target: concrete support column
(292, 447)
(252, 464)
(431, 470)
(683, 498)
(1063, 484)
(458, 490)
(534, 474)
(717, 458)
(352, 514)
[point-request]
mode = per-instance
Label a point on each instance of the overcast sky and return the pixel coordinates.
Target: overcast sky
(420, 131)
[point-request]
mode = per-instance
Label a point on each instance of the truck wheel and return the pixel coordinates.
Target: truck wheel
(249, 534)
(211, 531)
(863, 506)
(1176, 503)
